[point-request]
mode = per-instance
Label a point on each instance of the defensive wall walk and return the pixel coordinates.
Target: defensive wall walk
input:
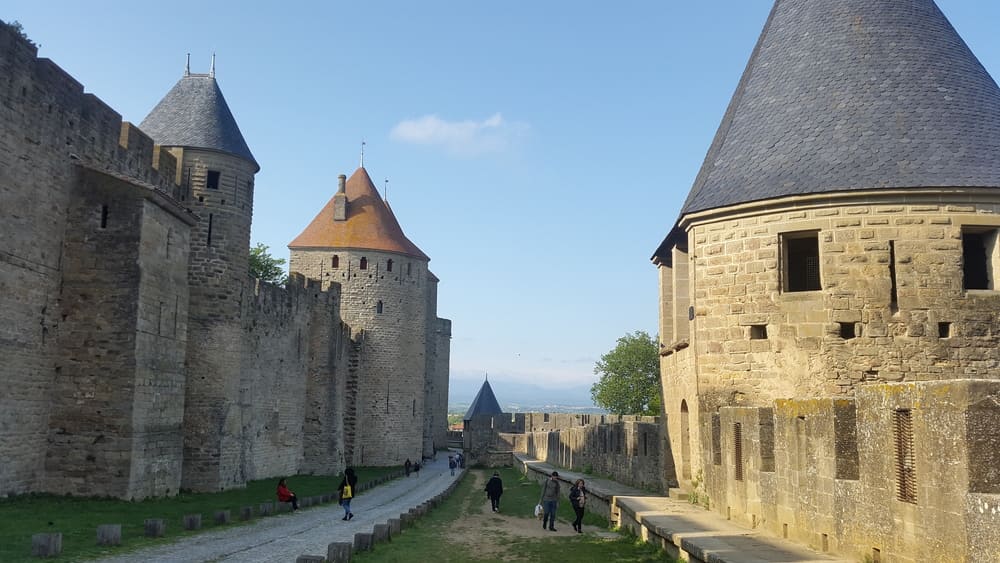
(685, 531)
(305, 532)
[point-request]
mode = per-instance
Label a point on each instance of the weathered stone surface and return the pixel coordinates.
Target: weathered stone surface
(155, 527)
(46, 545)
(339, 552)
(380, 533)
(109, 534)
(192, 521)
(363, 541)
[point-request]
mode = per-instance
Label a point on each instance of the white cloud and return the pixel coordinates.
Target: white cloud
(461, 138)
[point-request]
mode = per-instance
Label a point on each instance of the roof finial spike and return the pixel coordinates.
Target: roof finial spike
(362, 153)
(187, 67)
(386, 194)
(212, 72)
(487, 375)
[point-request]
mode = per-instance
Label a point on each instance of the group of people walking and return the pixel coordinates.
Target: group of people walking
(549, 500)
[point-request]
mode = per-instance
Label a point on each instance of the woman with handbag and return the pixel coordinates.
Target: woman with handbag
(578, 497)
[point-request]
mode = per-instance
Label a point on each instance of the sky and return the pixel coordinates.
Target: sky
(537, 151)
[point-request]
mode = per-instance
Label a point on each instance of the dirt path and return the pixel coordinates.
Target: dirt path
(488, 534)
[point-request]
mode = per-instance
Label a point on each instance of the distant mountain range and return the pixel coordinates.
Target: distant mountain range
(522, 397)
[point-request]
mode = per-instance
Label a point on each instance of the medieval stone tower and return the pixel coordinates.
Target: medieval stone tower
(389, 296)
(830, 294)
(216, 172)
(140, 355)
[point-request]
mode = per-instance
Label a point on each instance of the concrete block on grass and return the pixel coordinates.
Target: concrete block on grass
(265, 508)
(380, 533)
(339, 552)
(310, 559)
(246, 513)
(155, 527)
(109, 534)
(363, 542)
(192, 521)
(395, 526)
(46, 545)
(222, 516)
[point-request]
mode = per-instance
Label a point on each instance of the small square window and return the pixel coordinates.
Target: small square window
(847, 331)
(758, 332)
(979, 258)
(212, 179)
(800, 261)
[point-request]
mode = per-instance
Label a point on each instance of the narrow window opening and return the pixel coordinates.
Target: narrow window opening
(364, 263)
(378, 307)
(801, 261)
(415, 409)
(409, 268)
(210, 220)
(738, 450)
(847, 331)
(388, 266)
(944, 330)
(784, 531)
(644, 445)
(758, 332)
(335, 261)
(906, 478)
(825, 543)
(212, 180)
(876, 555)
(716, 440)
(104, 216)
(893, 295)
(979, 258)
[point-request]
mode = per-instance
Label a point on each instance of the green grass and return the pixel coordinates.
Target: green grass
(432, 537)
(77, 518)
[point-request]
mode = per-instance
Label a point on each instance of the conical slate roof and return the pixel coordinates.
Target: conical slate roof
(484, 403)
(852, 95)
(195, 114)
(370, 223)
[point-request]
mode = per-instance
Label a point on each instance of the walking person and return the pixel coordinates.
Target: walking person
(407, 466)
(550, 501)
(578, 498)
(285, 495)
(494, 488)
(451, 465)
(346, 488)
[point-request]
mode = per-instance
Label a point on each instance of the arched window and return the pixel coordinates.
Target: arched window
(388, 266)
(335, 261)
(364, 263)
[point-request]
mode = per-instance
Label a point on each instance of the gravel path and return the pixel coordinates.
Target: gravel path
(305, 532)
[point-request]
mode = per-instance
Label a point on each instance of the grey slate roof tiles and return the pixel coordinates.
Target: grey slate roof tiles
(195, 114)
(484, 403)
(851, 95)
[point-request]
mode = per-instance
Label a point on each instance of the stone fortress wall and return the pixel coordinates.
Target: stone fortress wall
(139, 356)
(860, 417)
(627, 449)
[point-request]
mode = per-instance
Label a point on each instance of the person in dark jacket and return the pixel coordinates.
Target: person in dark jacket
(550, 501)
(347, 488)
(494, 488)
(285, 495)
(578, 498)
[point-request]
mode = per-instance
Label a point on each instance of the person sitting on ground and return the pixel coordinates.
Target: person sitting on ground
(346, 488)
(284, 495)
(494, 488)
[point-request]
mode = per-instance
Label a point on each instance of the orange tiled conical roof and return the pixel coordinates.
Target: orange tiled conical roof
(370, 223)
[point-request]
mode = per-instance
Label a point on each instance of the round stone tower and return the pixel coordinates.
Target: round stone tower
(357, 242)
(216, 171)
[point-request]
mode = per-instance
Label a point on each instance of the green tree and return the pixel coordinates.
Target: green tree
(265, 267)
(630, 376)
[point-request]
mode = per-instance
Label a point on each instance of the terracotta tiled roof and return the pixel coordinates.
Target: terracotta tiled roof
(370, 223)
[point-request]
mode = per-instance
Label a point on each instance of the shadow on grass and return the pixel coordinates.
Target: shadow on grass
(77, 518)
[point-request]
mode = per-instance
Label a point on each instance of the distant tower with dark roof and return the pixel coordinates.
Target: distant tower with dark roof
(484, 403)
(397, 403)
(216, 172)
(836, 260)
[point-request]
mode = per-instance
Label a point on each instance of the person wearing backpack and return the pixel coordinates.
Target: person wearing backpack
(346, 488)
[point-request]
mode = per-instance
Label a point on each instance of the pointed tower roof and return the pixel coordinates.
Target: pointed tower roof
(853, 95)
(370, 223)
(195, 114)
(484, 403)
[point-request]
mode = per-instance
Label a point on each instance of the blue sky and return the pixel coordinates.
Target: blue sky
(538, 152)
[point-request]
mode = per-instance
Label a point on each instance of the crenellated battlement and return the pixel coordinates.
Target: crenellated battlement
(51, 109)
